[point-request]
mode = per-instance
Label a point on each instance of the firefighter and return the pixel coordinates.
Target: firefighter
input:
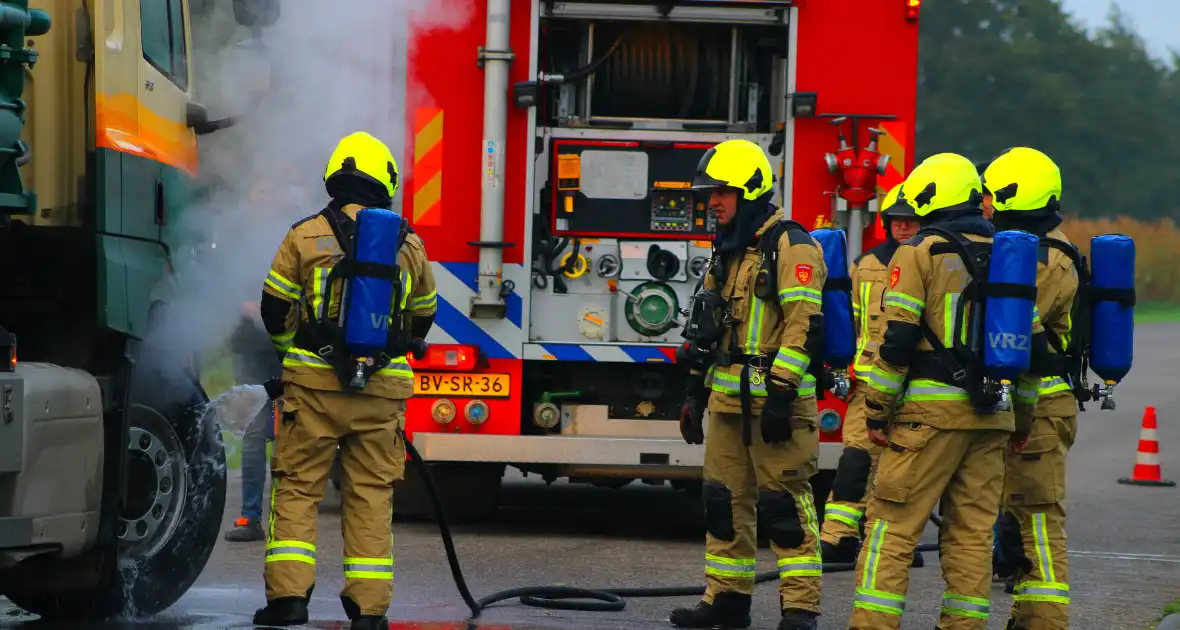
(754, 374)
(844, 510)
(944, 446)
(1027, 187)
(318, 413)
(989, 209)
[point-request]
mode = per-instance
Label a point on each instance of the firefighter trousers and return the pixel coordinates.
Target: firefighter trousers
(1034, 495)
(844, 509)
(923, 466)
(768, 485)
(373, 456)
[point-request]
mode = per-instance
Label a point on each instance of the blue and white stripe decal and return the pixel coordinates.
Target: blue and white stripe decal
(457, 282)
(606, 353)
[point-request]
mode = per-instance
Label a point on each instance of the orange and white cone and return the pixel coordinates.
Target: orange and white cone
(1147, 461)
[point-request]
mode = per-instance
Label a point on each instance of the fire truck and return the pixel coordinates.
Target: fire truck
(565, 238)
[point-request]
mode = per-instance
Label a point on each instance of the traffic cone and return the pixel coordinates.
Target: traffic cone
(1147, 460)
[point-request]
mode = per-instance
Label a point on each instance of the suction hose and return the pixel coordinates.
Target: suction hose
(565, 597)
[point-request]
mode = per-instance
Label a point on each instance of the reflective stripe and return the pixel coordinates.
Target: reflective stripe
(879, 601)
(800, 294)
(430, 300)
(283, 286)
(368, 568)
(319, 288)
(1054, 592)
(1052, 385)
(788, 359)
(861, 307)
(843, 514)
(950, 303)
(282, 342)
(754, 328)
(807, 386)
(921, 389)
(304, 358)
(873, 558)
(730, 567)
(1026, 393)
(398, 367)
(885, 382)
(1044, 554)
(292, 550)
(901, 300)
(812, 523)
(729, 384)
(964, 606)
(862, 372)
(800, 567)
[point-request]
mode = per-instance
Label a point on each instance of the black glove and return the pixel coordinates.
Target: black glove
(274, 388)
(692, 412)
(776, 413)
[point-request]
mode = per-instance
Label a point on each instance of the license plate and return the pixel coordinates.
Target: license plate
(452, 384)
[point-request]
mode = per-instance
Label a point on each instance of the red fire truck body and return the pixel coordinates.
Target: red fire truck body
(549, 146)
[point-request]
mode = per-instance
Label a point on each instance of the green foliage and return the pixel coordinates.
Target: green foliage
(1000, 73)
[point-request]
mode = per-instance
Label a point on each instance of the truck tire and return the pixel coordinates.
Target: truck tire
(173, 504)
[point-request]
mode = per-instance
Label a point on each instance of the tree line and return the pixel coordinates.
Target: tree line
(1000, 73)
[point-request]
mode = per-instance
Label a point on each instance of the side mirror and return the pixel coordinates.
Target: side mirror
(197, 118)
(255, 14)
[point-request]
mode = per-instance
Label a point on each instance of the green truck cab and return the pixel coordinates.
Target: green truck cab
(112, 475)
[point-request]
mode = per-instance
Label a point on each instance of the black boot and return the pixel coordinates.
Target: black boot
(799, 620)
(284, 611)
(728, 610)
(844, 551)
(370, 622)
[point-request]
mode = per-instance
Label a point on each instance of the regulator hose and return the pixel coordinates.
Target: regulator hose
(565, 597)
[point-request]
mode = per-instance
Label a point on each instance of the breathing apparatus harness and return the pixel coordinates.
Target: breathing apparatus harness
(961, 364)
(710, 316)
(327, 338)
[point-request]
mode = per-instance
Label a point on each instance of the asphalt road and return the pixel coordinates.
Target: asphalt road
(1125, 544)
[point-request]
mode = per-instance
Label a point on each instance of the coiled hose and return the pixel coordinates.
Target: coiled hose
(565, 597)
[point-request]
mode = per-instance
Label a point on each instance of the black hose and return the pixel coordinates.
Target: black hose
(562, 597)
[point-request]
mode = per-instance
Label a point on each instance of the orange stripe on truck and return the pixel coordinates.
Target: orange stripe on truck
(427, 169)
(125, 124)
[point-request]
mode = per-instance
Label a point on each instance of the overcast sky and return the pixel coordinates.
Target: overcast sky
(1157, 21)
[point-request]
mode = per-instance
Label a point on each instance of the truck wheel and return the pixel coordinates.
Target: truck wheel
(174, 497)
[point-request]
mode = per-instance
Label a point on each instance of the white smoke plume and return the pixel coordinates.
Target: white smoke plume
(338, 67)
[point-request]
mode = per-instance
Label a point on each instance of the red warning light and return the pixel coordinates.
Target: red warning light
(912, 8)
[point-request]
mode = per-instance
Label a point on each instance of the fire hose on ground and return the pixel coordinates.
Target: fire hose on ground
(569, 597)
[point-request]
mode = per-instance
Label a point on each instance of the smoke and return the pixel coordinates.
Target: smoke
(337, 67)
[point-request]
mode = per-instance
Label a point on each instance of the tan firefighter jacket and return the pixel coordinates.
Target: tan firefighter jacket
(776, 329)
(1057, 283)
(870, 276)
(299, 275)
(925, 287)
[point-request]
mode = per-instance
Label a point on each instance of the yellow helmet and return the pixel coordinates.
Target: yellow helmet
(361, 155)
(1023, 179)
(738, 164)
(943, 181)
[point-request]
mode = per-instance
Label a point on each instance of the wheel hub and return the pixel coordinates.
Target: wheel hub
(153, 499)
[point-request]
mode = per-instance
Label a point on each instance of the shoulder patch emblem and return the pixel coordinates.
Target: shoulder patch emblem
(803, 273)
(894, 276)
